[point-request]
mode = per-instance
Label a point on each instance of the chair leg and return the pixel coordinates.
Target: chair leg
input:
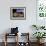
(5, 40)
(5, 43)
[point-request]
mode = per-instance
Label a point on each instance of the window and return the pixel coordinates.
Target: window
(41, 8)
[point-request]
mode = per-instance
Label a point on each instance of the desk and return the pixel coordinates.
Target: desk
(8, 34)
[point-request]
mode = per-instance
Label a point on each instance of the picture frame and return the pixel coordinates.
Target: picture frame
(17, 13)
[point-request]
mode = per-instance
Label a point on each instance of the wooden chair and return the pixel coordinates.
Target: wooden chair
(8, 34)
(27, 43)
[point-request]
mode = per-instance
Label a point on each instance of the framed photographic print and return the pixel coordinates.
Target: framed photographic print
(17, 13)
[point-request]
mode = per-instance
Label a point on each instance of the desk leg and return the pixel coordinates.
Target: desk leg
(17, 41)
(5, 40)
(28, 44)
(5, 43)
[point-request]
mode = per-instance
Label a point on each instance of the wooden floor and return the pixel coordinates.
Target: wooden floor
(13, 44)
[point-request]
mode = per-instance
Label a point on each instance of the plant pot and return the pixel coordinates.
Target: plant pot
(40, 41)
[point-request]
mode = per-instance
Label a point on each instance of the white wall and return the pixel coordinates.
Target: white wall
(24, 25)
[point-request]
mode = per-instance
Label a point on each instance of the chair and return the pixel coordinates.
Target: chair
(26, 37)
(14, 32)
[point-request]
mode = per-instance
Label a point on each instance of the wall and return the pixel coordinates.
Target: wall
(24, 25)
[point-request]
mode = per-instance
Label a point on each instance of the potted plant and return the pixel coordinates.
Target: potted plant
(39, 35)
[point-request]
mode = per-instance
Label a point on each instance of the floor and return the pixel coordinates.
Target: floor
(13, 44)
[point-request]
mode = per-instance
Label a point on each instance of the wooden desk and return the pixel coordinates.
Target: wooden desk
(8, 34)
